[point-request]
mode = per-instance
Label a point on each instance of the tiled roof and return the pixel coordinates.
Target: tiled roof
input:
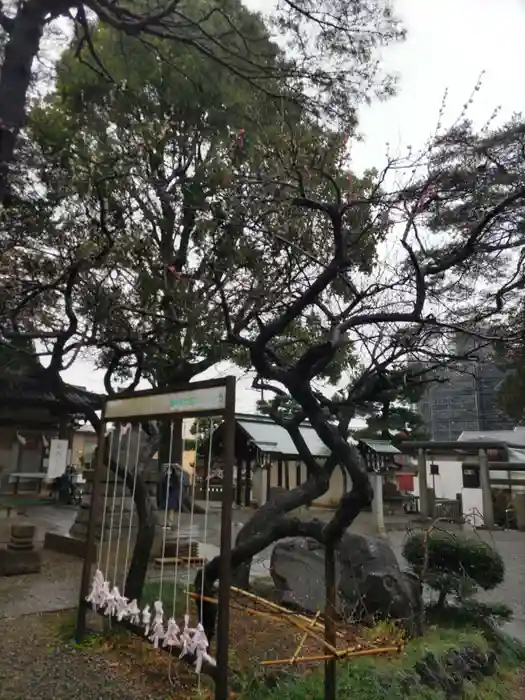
(514, 437)
(272, 438)
(20, 382)
(30, 391)
(381, 447)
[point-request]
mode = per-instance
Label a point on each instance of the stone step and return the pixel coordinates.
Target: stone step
(17, 547)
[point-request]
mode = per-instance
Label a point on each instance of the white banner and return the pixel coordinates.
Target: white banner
(58, 453)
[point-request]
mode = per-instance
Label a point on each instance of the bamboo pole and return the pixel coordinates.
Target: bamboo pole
(340, 655)
(277, 608)
(274, 606)
(303, 640)
(278, 615)
(242, 608)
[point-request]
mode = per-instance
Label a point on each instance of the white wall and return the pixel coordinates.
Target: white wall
(449, 482)
(260, 477)
(31, 459)
(335, 490)
(515, 476)
(7, 457)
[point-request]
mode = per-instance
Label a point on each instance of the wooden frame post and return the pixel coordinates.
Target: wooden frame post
(223, 620)
(330, 632)
(207, 398)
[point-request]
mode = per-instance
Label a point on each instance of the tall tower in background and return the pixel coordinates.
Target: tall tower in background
(467, 399)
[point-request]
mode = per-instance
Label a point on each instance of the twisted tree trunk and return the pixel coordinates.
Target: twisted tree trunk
(24, 33)
(276, 507)
(270, 523)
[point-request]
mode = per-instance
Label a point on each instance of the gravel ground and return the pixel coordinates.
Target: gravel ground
(518, 691)
(36, 662)
(54, 588)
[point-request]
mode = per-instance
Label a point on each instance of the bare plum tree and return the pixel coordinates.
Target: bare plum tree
(437, 237)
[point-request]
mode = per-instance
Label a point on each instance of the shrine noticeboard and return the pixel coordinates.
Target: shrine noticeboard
(57, 459)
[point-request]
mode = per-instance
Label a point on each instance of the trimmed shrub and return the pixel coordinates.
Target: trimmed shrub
(453, 564)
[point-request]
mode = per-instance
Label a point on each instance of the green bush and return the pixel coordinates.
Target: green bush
(453, 564)
(470, 613)
(410, 675)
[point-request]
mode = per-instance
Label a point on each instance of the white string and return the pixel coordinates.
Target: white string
(177, 551)
(207, 502)
(119, 444)
(192, 511)
(205, 536)
(132, 508)
(122, 499)
(101, 447)
(167, 498)
(177, 548)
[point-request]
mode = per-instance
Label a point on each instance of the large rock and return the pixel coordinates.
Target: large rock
(297, 569)
(370, 583)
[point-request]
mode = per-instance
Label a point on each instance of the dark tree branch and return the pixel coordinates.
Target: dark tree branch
(7, 23)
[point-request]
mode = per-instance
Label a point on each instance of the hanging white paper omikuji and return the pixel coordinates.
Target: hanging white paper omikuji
(105, 595)
(134, 612)
(97, 596)
(172, 636)
(146, 620)
(157, 628)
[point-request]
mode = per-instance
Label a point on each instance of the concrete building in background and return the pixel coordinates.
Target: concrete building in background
(468, 398)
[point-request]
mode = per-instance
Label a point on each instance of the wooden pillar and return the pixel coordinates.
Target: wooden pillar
(238, 483)
(377, 503)
(259, 489)
(166, 441)
(287, 475)
(63, 428)
(298, 474)
(424, 501)
(16, 457)
(486, 491)
(248, 483)
(280, 473)
(178, 442)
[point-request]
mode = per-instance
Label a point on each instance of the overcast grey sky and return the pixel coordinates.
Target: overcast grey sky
(449, 44)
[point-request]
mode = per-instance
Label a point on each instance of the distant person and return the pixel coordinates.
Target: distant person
(185, 483)
(171, 492)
